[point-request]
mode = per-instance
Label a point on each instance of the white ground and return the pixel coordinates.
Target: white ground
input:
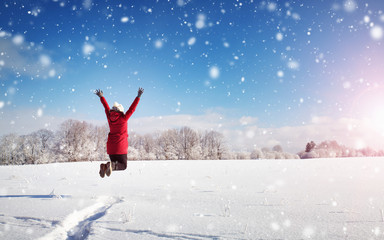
(285, 199)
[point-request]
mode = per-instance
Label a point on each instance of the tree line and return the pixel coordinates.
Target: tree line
(81, 141)
(332, 149)
(74, 141)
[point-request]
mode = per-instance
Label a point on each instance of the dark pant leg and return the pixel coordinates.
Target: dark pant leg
(120, 161)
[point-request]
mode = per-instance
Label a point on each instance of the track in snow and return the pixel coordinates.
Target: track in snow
(77, 225)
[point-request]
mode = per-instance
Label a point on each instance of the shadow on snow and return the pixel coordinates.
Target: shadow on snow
(186, 236)
(36, 196)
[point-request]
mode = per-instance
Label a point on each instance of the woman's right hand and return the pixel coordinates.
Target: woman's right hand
(99, 92)
(141, 90)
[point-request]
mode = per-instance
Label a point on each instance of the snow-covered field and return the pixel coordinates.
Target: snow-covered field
(282, 199)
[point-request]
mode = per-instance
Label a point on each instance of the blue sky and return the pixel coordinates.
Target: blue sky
(279, 64)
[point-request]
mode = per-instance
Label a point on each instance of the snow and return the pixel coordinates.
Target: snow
(350, 5)
(3, 34)
(214, 72)
(191, 41)
(367, 19)
(272, 7)
(279, 37)
(180, 3)
(124, 19)
(376, 33)
(87, 4)
(18, 39)
(158, 43)
(45, 60)
(292, 64)
(39, 112)
(347, 85)
(52, 73)
(200, 22)
(88, 49)
(261, 199)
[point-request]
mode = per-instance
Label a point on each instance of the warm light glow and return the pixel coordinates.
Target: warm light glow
(378, 119)
(360, 144)
(369, 105)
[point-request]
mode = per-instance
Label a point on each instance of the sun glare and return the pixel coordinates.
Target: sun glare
(369, 107)
(370, 104)
(378, 119)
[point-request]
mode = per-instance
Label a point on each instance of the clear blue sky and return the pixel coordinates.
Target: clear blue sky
(282, 62)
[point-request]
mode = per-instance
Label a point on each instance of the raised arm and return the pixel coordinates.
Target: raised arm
(141, 90)
(99, 93)
(133, 106)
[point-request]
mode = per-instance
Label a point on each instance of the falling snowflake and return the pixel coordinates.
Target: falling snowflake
(180, 3)
(350, 6)
(159, 43)
(191, 41)
(272, 6)
(124, 19)
(39, 112)
(275, 226)
(52, 73)
(88, 49)
(308, 232)
(45, 60)
(279, 36)
(347, 85)
(367, 19)
(200, 22)
(214, 72)
(376, 33)
(18, 39)
(292, 64)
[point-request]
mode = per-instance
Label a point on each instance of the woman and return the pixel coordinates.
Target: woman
(117, 144)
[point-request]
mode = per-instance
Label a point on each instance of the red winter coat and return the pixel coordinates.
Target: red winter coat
(118, 124)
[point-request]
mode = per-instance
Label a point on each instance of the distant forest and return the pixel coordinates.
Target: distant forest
(331, 149)
(81, 141)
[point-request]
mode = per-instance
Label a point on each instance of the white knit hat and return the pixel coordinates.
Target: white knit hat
(118, 107)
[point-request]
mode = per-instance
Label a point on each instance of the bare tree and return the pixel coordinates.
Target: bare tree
(169, 145)
(30, 149)
(189, 144)
(277, 148)
(10, 150)
(98, 135)
(257, 154)
(44, 142)
(310, 146)
(75, 142)
(213, 145)
(146, 148)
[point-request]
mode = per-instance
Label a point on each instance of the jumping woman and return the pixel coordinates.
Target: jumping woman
(117, 143)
